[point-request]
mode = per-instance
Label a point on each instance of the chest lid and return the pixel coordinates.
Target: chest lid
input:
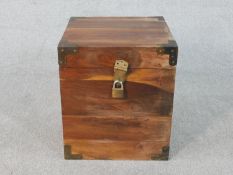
(145, 42)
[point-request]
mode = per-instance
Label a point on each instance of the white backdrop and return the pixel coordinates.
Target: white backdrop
(30, 112)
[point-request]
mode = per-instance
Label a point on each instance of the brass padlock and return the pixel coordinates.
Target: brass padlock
(118, 89)
(120, 70)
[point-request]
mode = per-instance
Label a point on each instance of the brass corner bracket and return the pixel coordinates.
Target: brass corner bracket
(170, 49)
(62, 52)
(163, 155)
(68, 154)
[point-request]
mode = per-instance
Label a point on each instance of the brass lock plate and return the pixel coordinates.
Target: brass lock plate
(121, 65)
(120, 71)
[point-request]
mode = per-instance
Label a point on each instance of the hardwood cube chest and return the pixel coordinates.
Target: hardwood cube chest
(117, 77)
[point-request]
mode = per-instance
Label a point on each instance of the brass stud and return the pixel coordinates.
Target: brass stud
(75, 50)
(62, 50)
(173, 62)
(161, 51)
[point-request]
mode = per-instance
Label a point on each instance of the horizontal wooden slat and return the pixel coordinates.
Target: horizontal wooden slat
(118, 150)
(142, 31)
(109, 127)
(160, 78)
(87, 57)
(116, 22)
(94, 97)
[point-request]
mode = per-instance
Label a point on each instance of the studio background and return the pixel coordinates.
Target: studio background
(30, 110)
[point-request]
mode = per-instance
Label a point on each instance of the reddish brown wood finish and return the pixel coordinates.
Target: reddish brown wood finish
(105, 57)
(95, 125)
(116, 32)
(117, 128)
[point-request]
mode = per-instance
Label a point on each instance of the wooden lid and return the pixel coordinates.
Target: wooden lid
(145, 42)
(117, 32)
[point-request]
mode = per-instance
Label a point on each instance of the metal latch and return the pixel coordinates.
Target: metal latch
(120, 71)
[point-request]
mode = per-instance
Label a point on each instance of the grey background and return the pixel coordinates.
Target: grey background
(30, 113)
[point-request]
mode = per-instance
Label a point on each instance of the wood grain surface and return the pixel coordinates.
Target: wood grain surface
(160, 78)
(118, 150)
(97, 126)
(94, 97)
(91, 117)
(116, 32)
(105, 57)
(118, 128)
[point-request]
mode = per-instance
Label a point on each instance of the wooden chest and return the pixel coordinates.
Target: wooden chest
(117, 77)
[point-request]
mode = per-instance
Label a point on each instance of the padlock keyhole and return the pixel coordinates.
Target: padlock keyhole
(117, 85)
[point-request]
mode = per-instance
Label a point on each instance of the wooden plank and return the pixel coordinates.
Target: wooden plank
(87, 57)
(118, 150)
(84, 32)
(160, 78)
(116, 22)
(94, 98)
(121, 128)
